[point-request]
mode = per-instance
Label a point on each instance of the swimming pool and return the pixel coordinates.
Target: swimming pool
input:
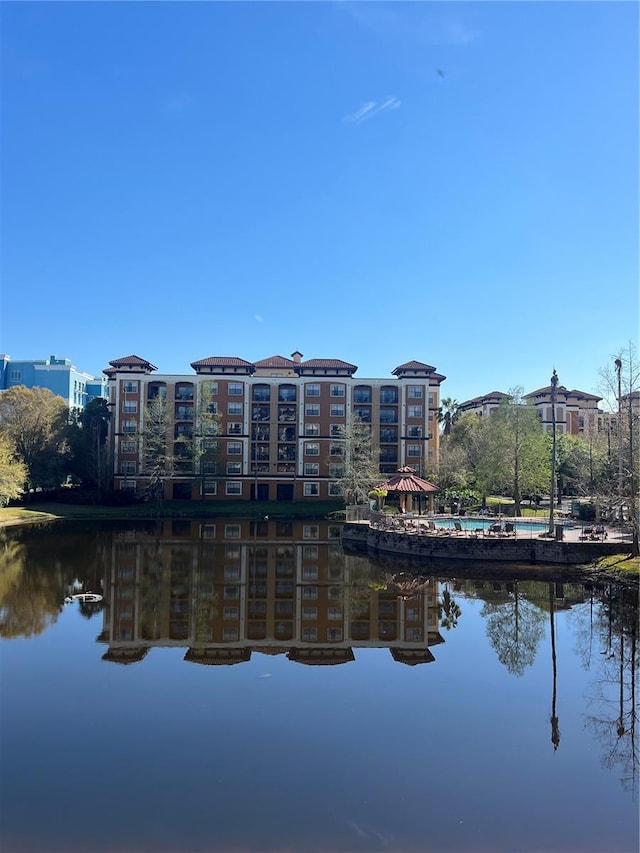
(521, 525)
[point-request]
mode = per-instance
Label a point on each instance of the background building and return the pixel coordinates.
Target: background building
(278, 424)
(57, 374)
(577, 412)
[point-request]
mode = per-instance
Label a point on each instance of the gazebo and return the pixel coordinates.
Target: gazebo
(408, 486)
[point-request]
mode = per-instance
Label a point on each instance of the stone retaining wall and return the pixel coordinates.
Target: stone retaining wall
(530, 551)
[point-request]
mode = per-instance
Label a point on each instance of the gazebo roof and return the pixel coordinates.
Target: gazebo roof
(406, 480)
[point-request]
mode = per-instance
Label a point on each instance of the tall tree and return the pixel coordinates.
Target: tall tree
(448, 414)
(358, 468)
(87, 437)
(13, 472)
(35, 420)
(620, 383)
(207, 427)
(513, 452)
(157, 456)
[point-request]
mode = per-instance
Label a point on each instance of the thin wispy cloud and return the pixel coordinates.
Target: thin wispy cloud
(370, 109)
(411, 23)
(258, 318)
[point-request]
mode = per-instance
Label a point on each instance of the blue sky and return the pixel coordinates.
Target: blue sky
(450, 182)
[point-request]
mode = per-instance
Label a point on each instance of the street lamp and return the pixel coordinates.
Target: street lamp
(554, 385)
(618, 364)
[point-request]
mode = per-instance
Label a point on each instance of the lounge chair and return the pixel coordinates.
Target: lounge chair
(494, 528)
(587, 532)
(509, 528)
(457, 528)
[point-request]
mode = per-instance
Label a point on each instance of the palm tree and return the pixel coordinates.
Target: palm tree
(448, 414)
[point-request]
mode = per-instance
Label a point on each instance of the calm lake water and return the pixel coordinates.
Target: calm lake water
(247, 686)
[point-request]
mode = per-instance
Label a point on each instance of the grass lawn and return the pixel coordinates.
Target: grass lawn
(182, 509)
(622, 563)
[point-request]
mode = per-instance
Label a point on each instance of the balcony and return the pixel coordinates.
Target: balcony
(286, 413)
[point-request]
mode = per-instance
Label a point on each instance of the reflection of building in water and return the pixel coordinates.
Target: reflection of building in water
(227, 588)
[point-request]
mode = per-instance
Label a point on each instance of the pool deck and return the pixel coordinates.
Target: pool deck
(411, 535)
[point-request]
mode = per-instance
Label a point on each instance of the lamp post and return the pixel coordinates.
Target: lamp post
(554, 385)
(618, 364)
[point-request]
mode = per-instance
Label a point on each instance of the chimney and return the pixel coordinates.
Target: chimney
(296, 356)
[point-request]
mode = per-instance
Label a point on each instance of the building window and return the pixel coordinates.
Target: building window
(309, 613)
(309, 593)
(230, 613)
(234, 468)
(234, 408)
(388, 416)
(234, 448)
(233, 487)
(431, 399)
(414, 392)
(312, 390)
(362, 394)
(287, 394)
(414, 432)
(309, 635)
(312, 410)
(128, 446)
(210, 487)
(388, 435)
(311, 469)
(234, 428)
(337, 390)
(334, 614)
(130, 386)
(129, 427)
(310, 531)
(184, 413)
(311, 448)
(336, 450)
(128, 468)
(261, 393)
(414, 411)
(130, 407)
(336, 469)
(310, 552)
(230, 635)
(334, 635)
(16, 376)
(335, 490)
(363, 413)
(311, 490)
(388, 395)
(184, 391)
(235, 389)
(336, 430)
(336, 410)
(232, 531)
(413, 450)
(312, 429)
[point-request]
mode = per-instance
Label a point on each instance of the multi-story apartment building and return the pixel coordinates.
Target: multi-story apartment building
(576, 413)
(266, 430)
(57, 374)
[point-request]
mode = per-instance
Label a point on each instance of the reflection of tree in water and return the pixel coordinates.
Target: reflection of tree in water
(30, 600)
(612, 698)
(514, 628)
(448, 609)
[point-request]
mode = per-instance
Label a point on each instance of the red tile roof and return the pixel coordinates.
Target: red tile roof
(276, 361)
(132, 361)
(221, 361)
(414, 365)
(329, 364)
